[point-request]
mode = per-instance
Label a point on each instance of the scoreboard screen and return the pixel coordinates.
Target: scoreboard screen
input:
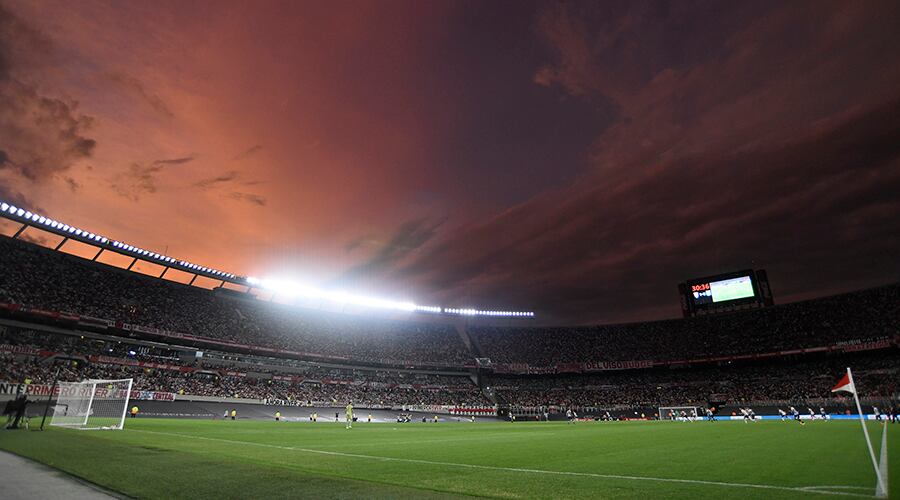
(725, 292)
(715, 291)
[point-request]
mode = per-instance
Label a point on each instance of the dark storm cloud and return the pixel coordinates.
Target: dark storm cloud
(227, 183)
(609, 49)
(138, 89)
(217, 180)
(359, 242)
(23, 47)
(41, 136)
(408, 238)
(15, 197)
(610, 248)
(74, 185)
(247, 153)
(251, 198)
(140, 178)
(175, 161)
(742, 139)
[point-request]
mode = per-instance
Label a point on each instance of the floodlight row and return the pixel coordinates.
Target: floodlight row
(96, 238)
(479, 312)
(292, 289)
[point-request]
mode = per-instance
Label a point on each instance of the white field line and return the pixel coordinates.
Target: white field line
(512, 469)
(883, 460)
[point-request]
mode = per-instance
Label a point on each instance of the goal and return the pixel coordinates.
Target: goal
(690, 411)
(92, 404)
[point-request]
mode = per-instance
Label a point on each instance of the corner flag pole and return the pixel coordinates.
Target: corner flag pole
(882, 488)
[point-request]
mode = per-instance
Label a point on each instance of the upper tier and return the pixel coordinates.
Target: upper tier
(39, 277)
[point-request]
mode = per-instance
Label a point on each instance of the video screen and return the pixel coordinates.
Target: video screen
(714, 292)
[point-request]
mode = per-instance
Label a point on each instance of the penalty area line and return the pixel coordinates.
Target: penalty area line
(512, 469)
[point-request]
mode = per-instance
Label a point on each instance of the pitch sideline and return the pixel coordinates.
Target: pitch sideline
(514, 469)
(883, 461)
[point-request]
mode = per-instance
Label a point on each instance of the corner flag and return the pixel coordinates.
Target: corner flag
(845, 384)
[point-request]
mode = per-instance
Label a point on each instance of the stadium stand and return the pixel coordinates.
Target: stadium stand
(36, 356)
(90, 320)
(40, 278)
(751, 383)
(868, 314)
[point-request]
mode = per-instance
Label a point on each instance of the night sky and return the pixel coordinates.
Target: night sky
(575, 159)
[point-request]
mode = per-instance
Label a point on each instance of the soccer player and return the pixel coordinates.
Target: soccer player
(233, 414)
(752, 415)
(783, 414)
(796, 414)
(349, 415)
(134, 411)
(370, 417)
(277, 416)
(709, 415)
(822, 414)
(745, 414)
(812, 414)
(877, 413)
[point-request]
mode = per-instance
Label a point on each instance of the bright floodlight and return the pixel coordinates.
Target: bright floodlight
(292, 289)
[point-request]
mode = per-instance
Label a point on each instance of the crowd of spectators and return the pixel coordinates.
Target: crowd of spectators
(37, 277)
(798, 379)
(877, 376)
(867, 314)
(304, 383)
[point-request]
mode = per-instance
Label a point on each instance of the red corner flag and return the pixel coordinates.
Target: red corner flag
(845, 384)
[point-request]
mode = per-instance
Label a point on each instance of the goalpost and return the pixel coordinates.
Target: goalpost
(92, 404)
(691, 412)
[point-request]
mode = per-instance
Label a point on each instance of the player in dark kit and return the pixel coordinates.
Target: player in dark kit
(796, 415)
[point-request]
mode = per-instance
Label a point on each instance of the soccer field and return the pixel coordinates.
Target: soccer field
(167, 458)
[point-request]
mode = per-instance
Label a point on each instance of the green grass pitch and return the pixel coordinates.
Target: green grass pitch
(168, 458)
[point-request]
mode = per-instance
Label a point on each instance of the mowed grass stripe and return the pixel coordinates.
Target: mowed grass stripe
(606, 460)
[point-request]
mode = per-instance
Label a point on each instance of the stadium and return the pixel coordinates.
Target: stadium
(225, 372)
(449, 249)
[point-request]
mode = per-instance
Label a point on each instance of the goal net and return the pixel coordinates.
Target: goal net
(92, 404)
(674, 413)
